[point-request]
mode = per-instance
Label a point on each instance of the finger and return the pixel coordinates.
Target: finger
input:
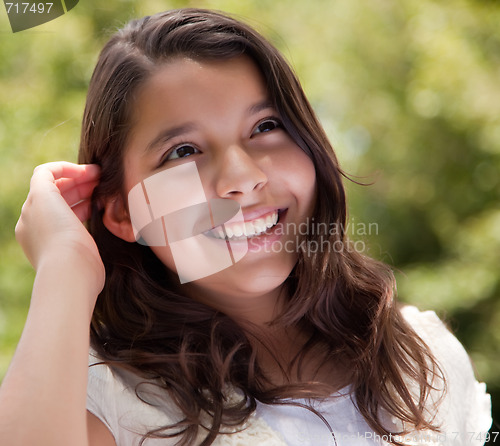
(50, 172)
(65, 184)
(82, 210)
(79, 192)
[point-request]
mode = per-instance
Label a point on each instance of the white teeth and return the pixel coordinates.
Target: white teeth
(260, 225)
(247, 229)
(269, 221)
(238, 231)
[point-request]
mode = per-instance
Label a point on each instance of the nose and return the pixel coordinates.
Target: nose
(238, 173)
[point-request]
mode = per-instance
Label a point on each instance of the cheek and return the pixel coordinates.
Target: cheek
(299, 174)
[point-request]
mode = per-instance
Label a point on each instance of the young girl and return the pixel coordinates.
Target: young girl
(212, 318)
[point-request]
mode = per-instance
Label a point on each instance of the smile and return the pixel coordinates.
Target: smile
(241, 231)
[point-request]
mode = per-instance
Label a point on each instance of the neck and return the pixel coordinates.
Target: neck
(276, 346)
(255, 309)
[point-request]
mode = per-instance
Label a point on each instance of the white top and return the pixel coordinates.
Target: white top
(464, 414)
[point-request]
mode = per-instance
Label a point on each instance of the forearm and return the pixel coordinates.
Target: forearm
(42, 399)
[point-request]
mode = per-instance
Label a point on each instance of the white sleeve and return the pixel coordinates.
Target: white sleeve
(465, 411)
(120, 409)
(99, 388)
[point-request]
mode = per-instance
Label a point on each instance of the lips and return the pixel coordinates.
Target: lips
(247, 229)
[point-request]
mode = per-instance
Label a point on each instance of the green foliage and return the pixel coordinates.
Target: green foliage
(408, 91)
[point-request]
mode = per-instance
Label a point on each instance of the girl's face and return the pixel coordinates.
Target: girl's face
(218, 114)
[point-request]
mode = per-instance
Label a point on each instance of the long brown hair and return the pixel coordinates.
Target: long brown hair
(341, 298)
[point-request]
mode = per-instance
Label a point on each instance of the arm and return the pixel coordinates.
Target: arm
(99, 434)
(43, 396)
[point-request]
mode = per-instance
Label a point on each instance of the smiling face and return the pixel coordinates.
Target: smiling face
(218, 114)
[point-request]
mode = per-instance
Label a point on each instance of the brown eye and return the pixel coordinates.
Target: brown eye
(267, 126)
(181, 152)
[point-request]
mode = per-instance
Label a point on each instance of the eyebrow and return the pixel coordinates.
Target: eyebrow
(174, 132)
(259, 106)
(167, 135)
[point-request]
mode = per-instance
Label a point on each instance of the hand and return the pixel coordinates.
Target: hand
(50, 226)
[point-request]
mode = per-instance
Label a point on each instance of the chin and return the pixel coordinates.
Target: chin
(243, 281)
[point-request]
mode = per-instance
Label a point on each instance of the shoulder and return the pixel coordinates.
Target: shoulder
(130, 407)
(466, 407)
(112, 397)
(446, 348)
(443, 344)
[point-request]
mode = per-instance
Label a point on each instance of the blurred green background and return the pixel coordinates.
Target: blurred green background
(408, 90)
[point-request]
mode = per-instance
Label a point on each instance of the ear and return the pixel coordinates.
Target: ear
(117, 219)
